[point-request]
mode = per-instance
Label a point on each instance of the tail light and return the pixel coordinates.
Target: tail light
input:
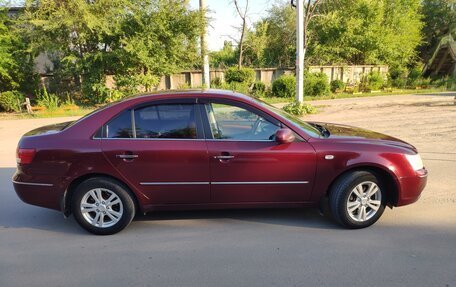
(25, 155)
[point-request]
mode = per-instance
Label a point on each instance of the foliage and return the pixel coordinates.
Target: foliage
(242, 75)
(48, 101)
(216, 82)
(299, 109)
(10, 101)
(448, 83)
(238, 87)
(258, 89)
(337, 86)
(368, 32)
(16, 63)
(8, 65)
(414, 77)
(225, 57)
(439, 19)
(345, 32)
(372, 82)
(280, 47)
(397, 77)
(255, 45)
(136, 41)
(316, 84)
(284, 86)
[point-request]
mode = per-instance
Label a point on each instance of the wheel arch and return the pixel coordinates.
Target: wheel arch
(390, 180)
(67, 196)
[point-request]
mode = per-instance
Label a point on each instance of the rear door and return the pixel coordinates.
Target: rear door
(160, 149)
(247, 164)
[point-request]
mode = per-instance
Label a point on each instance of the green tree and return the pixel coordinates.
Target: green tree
(256, 44)
(137, 41)
(368, 32)
(9, 68)
(280, 50)
(16, 63)
(226, 57)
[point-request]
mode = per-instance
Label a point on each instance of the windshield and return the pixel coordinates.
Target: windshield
(306, 127)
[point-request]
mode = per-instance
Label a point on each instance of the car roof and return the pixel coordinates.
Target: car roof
(190, 93)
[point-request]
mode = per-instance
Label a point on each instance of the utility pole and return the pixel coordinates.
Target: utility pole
(204, 56)
(300, 52)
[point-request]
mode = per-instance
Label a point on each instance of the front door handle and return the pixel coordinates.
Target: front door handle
(127, 156)
(223, 157)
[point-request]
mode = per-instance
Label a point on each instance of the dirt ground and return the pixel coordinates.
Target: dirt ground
(409, 246)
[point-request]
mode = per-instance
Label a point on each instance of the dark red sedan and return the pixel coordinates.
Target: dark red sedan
(211, 149)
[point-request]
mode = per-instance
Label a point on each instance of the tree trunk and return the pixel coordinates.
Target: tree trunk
(241, 44)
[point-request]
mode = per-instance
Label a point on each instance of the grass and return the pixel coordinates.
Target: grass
(60, 112)
(277, 100)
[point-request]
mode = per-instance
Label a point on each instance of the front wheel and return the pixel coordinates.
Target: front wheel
(357, 199)
(102, 206)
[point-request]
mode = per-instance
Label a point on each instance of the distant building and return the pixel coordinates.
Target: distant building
(443, 61)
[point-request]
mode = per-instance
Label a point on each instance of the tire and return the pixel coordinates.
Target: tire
(102, 206)
(357, 199)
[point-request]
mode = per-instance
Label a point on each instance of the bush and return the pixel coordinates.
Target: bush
(11, 101)
(238, 87)
(414, 77)
(258, 89)
(216, 82)
(372, 82)
(49, 101)
(445, 82)
(397, 77)
(243, 75)
(337, 86)
(299, 109)
(375, 81)
(316, 84)
(284, 87)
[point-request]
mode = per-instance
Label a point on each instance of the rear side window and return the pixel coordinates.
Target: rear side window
(120, 126)
(166, 121)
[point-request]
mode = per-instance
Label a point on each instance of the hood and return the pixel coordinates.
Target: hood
(350, 133)
(49, 129)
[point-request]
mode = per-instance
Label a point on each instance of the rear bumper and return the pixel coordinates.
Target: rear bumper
(37, 193)
(411, 187)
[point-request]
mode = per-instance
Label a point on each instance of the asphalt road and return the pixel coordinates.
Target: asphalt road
(409, 246)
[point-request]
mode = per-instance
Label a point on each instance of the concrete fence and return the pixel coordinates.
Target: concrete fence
(347, 74)
(193, 79)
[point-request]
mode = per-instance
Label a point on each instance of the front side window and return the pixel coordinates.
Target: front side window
(236, 123)
(166, 121)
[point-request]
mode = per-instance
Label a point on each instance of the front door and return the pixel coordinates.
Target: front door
(247, 164)
(159, 148)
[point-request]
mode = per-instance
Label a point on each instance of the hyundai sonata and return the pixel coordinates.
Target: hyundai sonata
(207, 150)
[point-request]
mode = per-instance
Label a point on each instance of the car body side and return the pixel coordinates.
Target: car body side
(68, 157)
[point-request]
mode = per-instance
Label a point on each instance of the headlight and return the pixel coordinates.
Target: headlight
(415, 161)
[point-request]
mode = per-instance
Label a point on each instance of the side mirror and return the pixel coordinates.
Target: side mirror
(284, 135)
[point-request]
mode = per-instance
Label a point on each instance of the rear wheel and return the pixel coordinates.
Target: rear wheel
(102, 206)
(357, 199)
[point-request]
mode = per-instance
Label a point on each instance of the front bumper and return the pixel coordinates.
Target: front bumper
(411, 187)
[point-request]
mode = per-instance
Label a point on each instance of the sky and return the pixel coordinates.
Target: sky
(225, 19)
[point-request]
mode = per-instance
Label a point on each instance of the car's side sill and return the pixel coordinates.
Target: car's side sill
(223, 182)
